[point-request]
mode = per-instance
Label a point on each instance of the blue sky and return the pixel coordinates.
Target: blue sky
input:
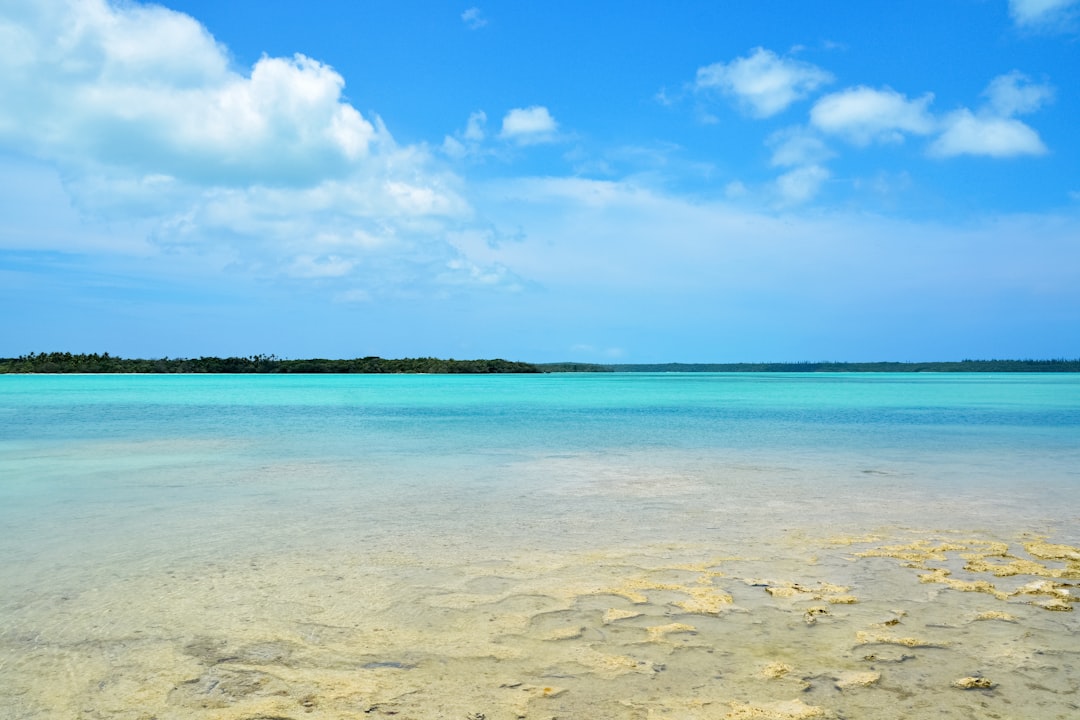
(601, 181)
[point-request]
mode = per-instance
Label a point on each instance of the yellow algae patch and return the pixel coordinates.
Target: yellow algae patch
(853, 539)
(941, 575)
(987, 548)
(615, 614)
(1012, 566)
(1041, 587)
(1048, 551)
(830, 589)
(821, 591)
(659, 633)
(1059, 594)
(918, 552)
(974, 683)
(609, 665)
(995, 615)
(631, 590)
(855, 678)
(863, 637)
(703, 599)
(1056, 595)
(774, 670)
(783, 710)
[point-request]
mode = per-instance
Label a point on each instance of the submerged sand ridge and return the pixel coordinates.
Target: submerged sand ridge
(896, 625)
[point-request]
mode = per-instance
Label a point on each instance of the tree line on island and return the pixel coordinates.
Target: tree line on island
(267, 364)
(1060, 365)
(66, 362)
(62, 363)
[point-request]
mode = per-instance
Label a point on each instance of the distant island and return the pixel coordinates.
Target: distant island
(811, 367)
(265, 364)
(269, 364)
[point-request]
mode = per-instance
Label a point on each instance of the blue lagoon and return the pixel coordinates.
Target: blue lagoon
(568, 545)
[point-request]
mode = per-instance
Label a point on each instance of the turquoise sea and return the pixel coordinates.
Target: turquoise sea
(567, 545)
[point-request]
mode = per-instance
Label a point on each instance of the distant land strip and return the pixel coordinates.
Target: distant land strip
(810, 367)
(269, 364)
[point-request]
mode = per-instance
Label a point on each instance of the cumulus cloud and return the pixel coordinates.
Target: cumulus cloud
(1042, 14)
(148, 89)
(528, 126)
(969, 134)
(992, 131)
(763, 83)
(141, 112)
(863, 115)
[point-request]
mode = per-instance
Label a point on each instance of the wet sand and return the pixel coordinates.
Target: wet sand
(892, 624)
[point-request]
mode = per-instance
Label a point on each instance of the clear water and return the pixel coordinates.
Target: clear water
(439, 546)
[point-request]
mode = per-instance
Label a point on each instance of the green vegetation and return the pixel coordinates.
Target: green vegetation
(809, 367)
(94, 363)
(105, 363)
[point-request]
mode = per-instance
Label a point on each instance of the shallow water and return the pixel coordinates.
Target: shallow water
(572, 546)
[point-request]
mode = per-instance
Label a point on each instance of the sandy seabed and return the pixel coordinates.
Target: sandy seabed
(890, 625)
(283, 561)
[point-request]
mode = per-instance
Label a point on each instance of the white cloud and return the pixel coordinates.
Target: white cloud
(474, 130)
(527, 126)
(141, 113)
(763, 83)
(863, 115)
(969, 134)
(727, 254)
(992, 131)
(796, 146)
(473, 18)
(801, 184)
(452, 147)
(1014, 94)
(148, 89)
(460, 271)
(1041, 13)
(468, 142)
